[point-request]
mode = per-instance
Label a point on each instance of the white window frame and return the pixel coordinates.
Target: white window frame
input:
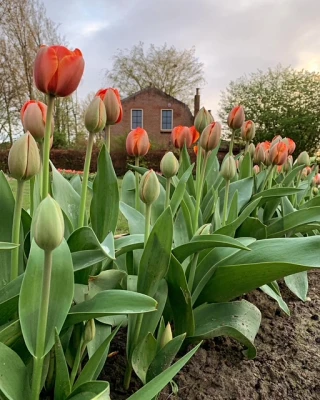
(136, 109)
(165, 109)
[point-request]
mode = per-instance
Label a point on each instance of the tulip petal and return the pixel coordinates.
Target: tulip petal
(45, 67)
(69, 74)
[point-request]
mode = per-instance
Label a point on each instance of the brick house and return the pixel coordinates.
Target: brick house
(157, 113)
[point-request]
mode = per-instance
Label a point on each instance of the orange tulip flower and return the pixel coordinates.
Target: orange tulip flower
(137, 143)
(291, 145)
(181, 135)
(33, 117)
(278, 153)
(248, 130)
(58, 70)
(112, 103)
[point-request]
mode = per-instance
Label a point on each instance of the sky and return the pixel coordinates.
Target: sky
(231, 37)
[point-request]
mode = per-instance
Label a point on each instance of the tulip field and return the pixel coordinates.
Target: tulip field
(168, 261)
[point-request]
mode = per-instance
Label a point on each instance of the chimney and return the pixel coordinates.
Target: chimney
(196, 102)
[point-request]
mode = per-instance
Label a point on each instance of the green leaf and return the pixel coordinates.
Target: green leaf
(164, 357)
(7, 246)
(158, 247)
(178, 293)
(134, 218)
(102, 332)
(275, 192)
(76, 183)
(94, 390)
(246, 167)
(252, 227)
(106, 280)
(86, 249)
(271, 292)
(180, 229)
(233, 210)
(291, 175)
(61, 295)
(298, 284)
(91, 366)
(110, 302)
(143, 355)
(269, 260)
(153, 387)
(184, 166)
(203, 242)
(9, 298)
(66, 196)
(128, 188)
(244, 188)
(239, 320)
(104, 207)
(129, 243)
(180, 190)
(10, 333)
(62, 387)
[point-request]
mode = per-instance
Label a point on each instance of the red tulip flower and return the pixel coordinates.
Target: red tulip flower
(58, 70)
(112, 103)
(181, 135)
(33, 117)
(137, 143)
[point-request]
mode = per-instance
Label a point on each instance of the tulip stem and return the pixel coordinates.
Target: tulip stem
(42, 327)
(267, 177)
(107, 137)
(16, 230)
(246, 148)
(137, 199)
(46, 149)
(199, 193)
(31, 195)
(85, 179)
(231, 142)
(225, 203)
(168, 184)
(147, 223)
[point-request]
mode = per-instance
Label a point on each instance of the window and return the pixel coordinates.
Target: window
(136, 119)
(166, 120)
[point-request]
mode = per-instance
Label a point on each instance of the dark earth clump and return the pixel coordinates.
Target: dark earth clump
(287, 365)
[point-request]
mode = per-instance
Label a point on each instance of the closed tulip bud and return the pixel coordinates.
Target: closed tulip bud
(204, 230)
(316, 179)
(259, 154)
(248, 131)
(278, 153)
(315, 191)
(181, 135)
(195, 150)
(202, 119)
(89, 331)
(256, 169)
(95, 117)
(169, 165)
(290, 144)
(303, 159)
(287, 166)
(48, 225)
(228, 168)
(251, 149)
(236, 118)
(149, 188)
(166, 336)
(112, 103)
(137, 143)
(276, 140)
(57, 70)
(24, 158)
(210, 137)
(33, 117)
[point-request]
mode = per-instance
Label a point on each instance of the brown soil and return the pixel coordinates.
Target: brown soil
(287, 365)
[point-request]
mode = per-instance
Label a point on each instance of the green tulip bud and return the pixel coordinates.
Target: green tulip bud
(95, 117)
(169, 165)
(303, 159)
(48, 224)
(202, 119)
(149, 188)
(166, 336)
(315, 191)
(204, 230)
(210, 137)
(251, 150)
(24, 158)
(228, 168)
(89, 331)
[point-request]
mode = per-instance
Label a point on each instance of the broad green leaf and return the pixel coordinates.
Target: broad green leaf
(152, 388)
(102, 332)
(164, 357)
(182, 228)
(13, 376)
(128, 187)
(180, 190)
(143, 355)
(275, 192)
(252, 227)
(134, 218)
(10, 333)
(184, 166)
(233, 210)
(239, 320)
(212, 170)
(62, 387)
(291, 175)
(66, 196)
(86, 249)
(269, 260)
(110, 302)
(286, 206)
(76, 183)
(244, 188)
(61, 295)
(94, 390)
(314, 202)
(298, 284)
(7, 246)
(293, 221)
(88, 372)
(9, 298)
(128, 243)
(246, 167)
(104, 208)
(158, 247)
(270, 292)
(203, 242)
(178, 293)
(106, 280)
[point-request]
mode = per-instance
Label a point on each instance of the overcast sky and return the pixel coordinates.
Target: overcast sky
(231, 37)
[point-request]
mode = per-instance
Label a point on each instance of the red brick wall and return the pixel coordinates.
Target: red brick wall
(152, 101)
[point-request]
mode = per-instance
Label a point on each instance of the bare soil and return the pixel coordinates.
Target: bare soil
(287, 365)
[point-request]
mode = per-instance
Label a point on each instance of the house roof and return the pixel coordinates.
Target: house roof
(157, 91)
